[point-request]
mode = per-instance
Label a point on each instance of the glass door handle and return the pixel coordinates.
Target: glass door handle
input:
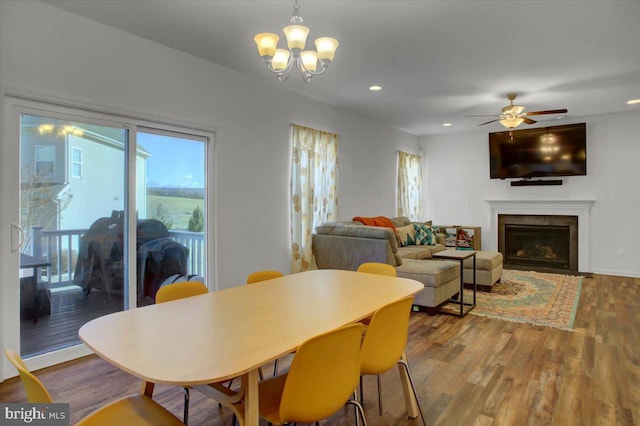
(16, 243)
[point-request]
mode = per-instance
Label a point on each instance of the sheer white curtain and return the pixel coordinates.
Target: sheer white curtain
(314, 177)
(409, 191)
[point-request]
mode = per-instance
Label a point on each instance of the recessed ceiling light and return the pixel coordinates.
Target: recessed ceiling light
(375, 88)
(447, 124)
(633, 101)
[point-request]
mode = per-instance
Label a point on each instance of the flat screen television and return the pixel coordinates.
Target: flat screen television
(539, 152)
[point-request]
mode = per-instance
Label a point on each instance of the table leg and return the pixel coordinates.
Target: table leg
(407, 391)
(461, 287)
(474, 280)
(147, 389)
(250, 385)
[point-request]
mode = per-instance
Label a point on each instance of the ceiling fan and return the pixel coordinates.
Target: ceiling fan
(514, 115)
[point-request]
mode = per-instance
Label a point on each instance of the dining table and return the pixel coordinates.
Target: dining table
(231, 333)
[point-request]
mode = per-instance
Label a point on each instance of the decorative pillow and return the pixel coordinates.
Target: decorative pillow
(424, 234)
(406, 235)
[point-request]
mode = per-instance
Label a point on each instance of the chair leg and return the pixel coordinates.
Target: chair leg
(185, 415)
(359, 410)
(379, 395)
(413, 387)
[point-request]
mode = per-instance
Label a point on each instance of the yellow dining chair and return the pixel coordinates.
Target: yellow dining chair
(180, 290)
(377, 268)
(131, 410)
(258, 276)
(384, 345)
(176, 291)
(322, 378)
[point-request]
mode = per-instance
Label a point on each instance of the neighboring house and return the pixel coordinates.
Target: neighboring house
(63, 167)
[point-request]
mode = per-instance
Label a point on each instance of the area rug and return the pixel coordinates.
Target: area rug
(536, 298)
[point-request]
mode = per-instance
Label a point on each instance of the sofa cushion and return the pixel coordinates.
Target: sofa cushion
(401, 221)
(432, 273)
(348, 229)
(419, 252)
(406, 235)
(425, 234)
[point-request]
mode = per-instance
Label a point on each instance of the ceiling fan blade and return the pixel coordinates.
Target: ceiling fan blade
(528, 120)
(482, 124)
(551, 111)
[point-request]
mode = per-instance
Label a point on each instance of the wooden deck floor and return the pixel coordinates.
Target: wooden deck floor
(469, 371)
(70, 309)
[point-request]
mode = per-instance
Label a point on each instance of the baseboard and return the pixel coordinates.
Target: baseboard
(631, 274)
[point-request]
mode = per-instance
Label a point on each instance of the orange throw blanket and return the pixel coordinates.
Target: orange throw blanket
(375, 221)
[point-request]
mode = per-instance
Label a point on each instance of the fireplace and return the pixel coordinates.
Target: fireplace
(539, 242)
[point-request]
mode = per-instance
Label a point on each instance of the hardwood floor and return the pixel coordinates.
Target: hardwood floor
(469, 371)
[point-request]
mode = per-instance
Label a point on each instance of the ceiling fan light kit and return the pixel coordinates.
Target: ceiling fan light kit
(282, 61)
(511, 122)
(512, 116)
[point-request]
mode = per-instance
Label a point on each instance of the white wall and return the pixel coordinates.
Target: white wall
(54, 54)
(457, 184)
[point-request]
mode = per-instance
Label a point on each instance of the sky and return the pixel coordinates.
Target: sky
(174, 161)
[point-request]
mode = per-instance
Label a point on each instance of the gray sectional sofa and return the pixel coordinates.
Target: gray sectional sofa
(347, 245)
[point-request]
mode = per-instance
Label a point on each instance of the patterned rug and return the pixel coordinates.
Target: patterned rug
(537, 298)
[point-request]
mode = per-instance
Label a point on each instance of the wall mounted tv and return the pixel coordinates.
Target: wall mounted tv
(539, 152)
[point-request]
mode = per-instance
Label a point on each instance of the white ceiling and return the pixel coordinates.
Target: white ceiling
(436, 60)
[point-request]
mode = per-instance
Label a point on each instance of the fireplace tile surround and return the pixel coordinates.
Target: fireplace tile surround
(579, 208)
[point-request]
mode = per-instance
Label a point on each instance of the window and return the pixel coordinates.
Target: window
(45, 160)
(409, 202)
(314, 177)
(76, 162)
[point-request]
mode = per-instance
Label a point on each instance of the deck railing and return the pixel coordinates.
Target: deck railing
(60, 248)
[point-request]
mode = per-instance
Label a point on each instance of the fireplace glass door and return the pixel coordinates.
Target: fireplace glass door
(545, 246)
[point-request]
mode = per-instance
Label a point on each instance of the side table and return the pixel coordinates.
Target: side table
(460, 255)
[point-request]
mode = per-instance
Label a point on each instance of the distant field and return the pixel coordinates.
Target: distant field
(179, 209)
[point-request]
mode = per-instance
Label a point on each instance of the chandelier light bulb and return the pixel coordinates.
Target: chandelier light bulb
(280, 59)
(326, 47)
(296, 36)
(309, 60)
(267, 44)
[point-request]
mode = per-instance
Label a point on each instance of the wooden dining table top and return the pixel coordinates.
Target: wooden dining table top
(227, 333)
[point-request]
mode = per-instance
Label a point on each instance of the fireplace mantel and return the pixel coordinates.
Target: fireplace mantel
(569, 207)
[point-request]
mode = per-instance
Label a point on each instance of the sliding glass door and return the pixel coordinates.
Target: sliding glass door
(72, 207)
(172, 194)
(105, 214)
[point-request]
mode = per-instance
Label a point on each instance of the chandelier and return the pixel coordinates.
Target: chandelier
(62, 130)
(282, 61)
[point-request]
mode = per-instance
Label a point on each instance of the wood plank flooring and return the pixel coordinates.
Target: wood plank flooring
(469, 371)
